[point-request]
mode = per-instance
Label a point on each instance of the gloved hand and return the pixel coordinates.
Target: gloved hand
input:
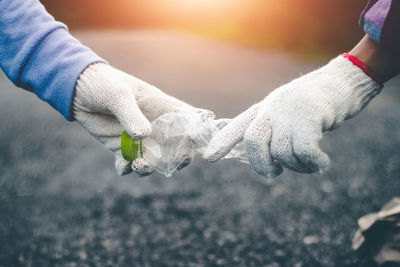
(107, 101)
(286, 127)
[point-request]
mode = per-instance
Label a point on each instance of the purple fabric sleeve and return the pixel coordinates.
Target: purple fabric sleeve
(380, 20)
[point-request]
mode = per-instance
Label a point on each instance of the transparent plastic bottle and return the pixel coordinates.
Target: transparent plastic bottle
(176, 137)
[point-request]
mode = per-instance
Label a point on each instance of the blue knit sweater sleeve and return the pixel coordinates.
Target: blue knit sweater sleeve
(38, 54)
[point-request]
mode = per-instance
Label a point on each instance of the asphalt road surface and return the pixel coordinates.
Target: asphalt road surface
(61, 204)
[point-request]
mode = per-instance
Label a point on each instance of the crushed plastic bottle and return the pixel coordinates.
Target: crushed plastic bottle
(177, 137)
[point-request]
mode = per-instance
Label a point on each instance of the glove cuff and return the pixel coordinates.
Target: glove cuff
(358, 63)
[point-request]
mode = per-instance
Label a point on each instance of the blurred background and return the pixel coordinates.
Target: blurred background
(312, 26)
(62, 204)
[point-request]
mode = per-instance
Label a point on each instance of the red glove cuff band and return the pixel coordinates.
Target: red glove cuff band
(363, 67)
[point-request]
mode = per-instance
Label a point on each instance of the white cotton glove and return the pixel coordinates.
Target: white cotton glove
(286, 127)
(107, 101)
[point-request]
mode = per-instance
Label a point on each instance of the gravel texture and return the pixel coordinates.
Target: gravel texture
(61, 204)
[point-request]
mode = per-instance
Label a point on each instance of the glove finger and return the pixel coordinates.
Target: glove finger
(257, 142)
(125, 108)
(155, 103)
(141, 167)
(122, 166)
(306, 147)
(230, 135)
(282, 149)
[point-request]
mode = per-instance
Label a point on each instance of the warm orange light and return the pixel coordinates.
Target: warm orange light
(198, 7)
(202, 3)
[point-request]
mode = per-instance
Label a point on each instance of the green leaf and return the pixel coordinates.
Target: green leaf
(131, 148)
(127, 147)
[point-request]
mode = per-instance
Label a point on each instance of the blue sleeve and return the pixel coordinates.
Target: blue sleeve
(38, 54)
